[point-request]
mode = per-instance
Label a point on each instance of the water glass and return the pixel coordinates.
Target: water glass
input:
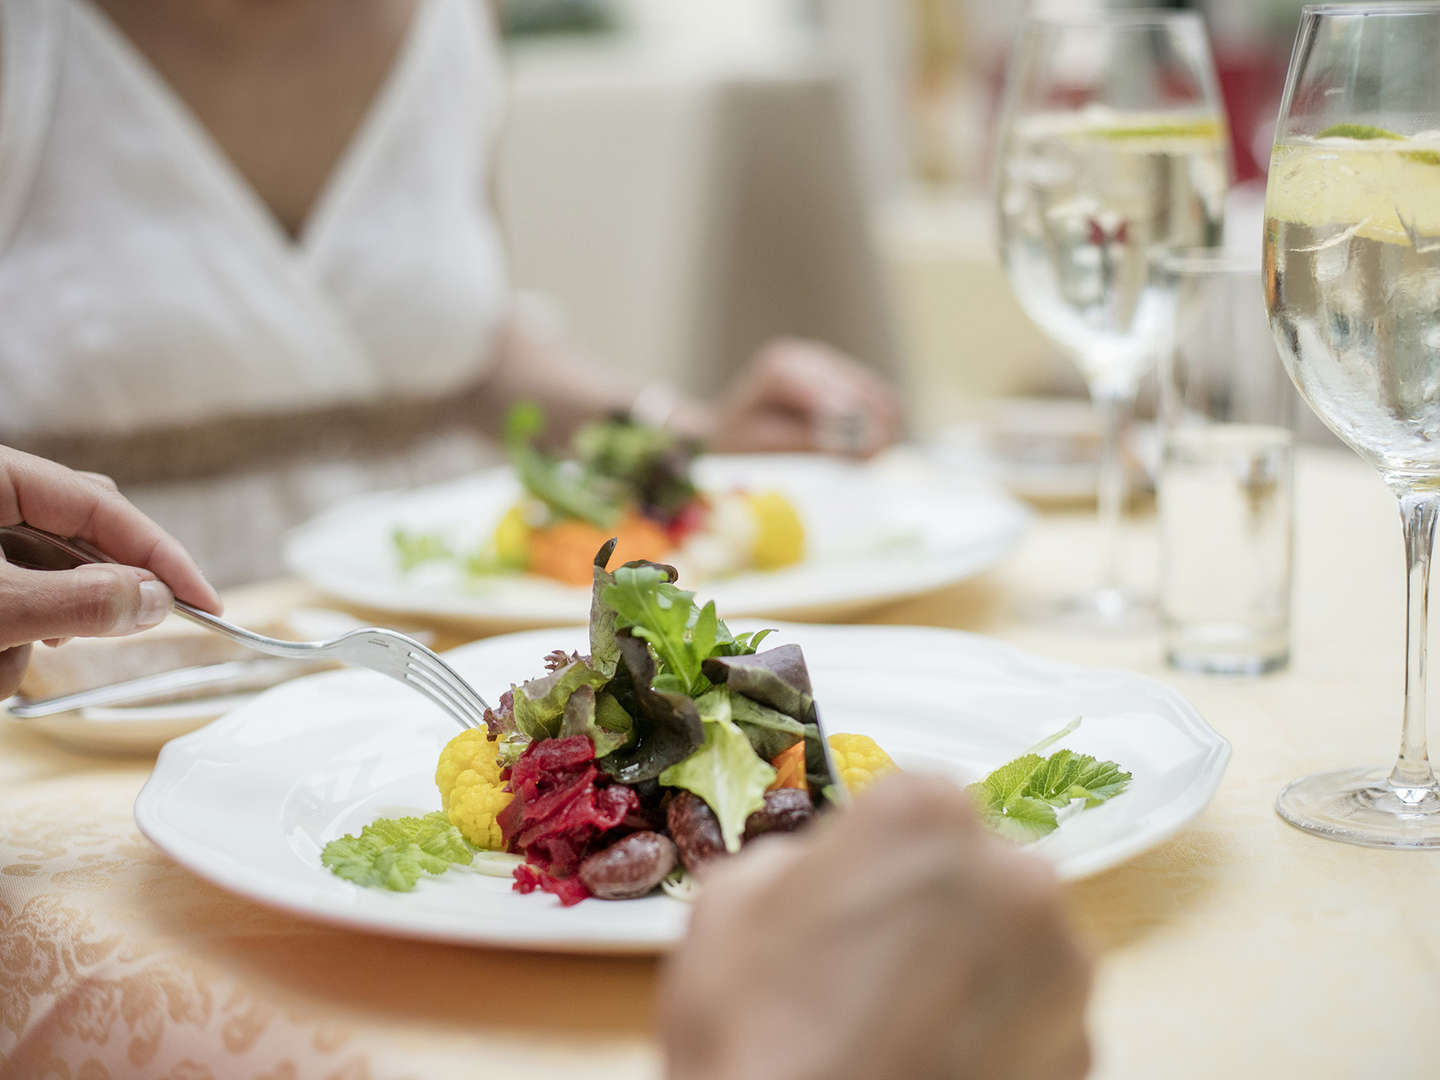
(1225, 487)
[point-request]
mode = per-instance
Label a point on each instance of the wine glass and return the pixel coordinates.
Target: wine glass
(1113, 149)
(1352, 283)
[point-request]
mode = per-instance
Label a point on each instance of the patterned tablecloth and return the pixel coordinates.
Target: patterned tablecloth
(1241, 948)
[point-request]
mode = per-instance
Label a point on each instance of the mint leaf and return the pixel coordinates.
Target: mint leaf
(392, 853)
(1019, 799)
(1024, 819)
(725, 771)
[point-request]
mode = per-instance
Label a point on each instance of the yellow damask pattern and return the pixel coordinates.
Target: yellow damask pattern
(89, 992)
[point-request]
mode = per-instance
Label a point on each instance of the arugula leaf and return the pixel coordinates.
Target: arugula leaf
(1019, 799)
(392, 853)
(725, 771)
(540, 703)
(646, 601)
(652, 608)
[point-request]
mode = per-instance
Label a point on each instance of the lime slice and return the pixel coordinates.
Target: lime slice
(1366, 132)
(1207, 128)
(1357, 131)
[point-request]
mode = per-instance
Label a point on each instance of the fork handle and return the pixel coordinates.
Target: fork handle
(290, 650)
(40, 550)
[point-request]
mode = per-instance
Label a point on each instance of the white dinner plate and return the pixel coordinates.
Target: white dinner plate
(249, 802)
(875, 532)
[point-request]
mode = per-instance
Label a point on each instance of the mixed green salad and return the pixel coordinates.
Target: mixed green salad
(670, 744)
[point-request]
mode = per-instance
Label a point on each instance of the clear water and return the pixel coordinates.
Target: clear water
(1226, 521)
(1084, 201)
(1352, 247)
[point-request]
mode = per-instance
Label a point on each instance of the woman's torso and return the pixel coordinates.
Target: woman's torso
(241, 268)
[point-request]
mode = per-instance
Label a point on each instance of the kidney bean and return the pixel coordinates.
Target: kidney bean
(695, 830)
(629, 867)
(785, 810)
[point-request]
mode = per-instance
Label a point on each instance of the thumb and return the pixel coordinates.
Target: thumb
(90, 601)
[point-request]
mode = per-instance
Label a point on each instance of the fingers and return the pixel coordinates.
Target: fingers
(87, 506)
(91, 601)
(12, 669)
(803, 395)
(100, 480)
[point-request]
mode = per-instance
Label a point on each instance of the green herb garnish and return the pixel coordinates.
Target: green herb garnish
(392, 853)
(416, 548)
(1020, 798)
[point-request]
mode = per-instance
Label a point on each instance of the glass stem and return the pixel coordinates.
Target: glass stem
(1112, 485)
(1417, 512)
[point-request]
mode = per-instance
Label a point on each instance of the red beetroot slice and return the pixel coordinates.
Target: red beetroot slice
(569, 890)
(550, 755)
(548, 802)
(558, 815)
(590, 812)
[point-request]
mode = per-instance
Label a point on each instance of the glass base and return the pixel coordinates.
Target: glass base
(1113, 609)
(1224, 663)
(1362, 806)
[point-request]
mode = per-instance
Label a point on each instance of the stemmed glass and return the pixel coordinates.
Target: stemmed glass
(1352, 282)
(1113, 149)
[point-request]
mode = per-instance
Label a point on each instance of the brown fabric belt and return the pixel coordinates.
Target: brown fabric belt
(237, 443)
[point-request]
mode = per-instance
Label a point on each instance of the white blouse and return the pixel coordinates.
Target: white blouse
(145, 287)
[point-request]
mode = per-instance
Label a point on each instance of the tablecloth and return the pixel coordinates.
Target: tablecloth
(1239, 948)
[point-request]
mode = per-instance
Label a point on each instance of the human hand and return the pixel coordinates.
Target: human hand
(895, 938)
(802, 395)
(90, 601)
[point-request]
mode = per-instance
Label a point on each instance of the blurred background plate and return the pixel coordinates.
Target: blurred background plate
(875, 532)
(249, 802)
(1043, 450)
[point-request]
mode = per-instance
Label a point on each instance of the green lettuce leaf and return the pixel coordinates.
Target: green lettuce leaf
(652, 463)
(392, 853)
(1020, 798)
(725, 771)
(769, 731)
(667, 726)
(564, 486)
(604, 652)
(600, 718)
(540, 703)
(776, 678)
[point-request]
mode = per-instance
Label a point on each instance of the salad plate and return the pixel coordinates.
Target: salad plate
(250, 801)
(875, 532)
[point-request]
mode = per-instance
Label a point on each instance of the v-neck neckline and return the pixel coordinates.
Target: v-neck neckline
(226, 175)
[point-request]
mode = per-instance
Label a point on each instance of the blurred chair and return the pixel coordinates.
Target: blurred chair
(682, 213)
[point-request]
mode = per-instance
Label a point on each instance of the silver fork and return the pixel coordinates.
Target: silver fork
(386, 651)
